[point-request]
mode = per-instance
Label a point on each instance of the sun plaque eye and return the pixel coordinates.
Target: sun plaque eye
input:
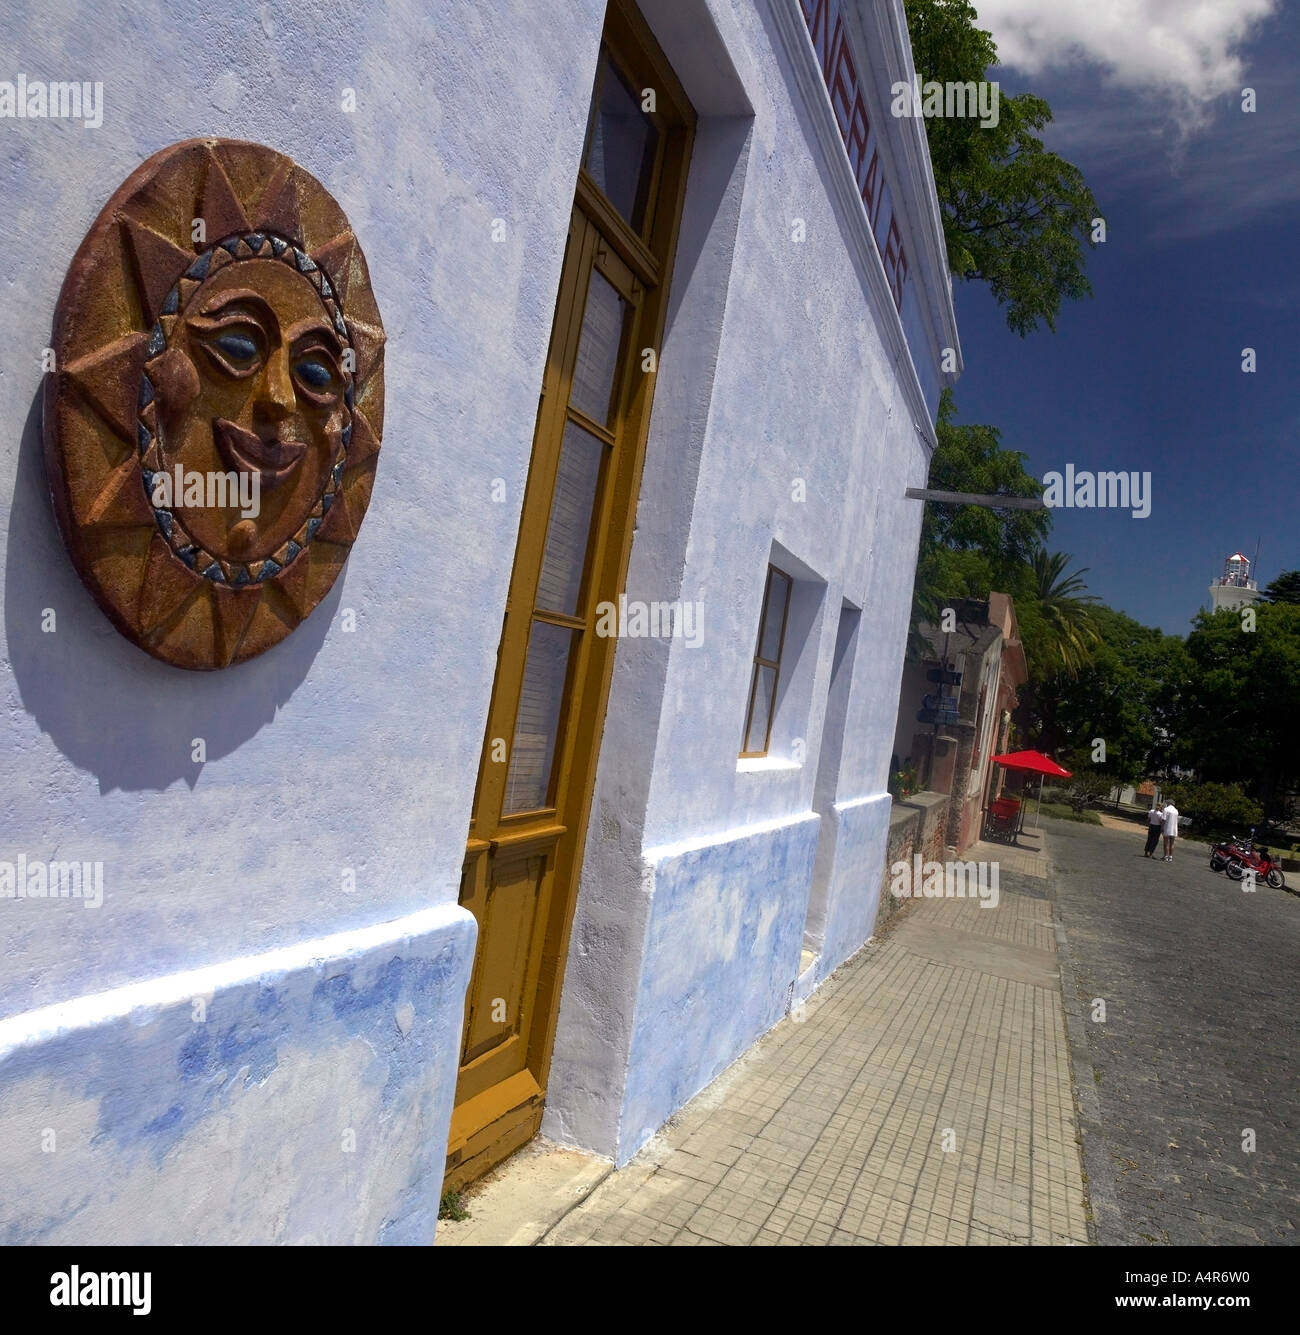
(238, 347)
(315, 373)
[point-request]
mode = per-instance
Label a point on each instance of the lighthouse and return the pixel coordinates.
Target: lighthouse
(1234, 588)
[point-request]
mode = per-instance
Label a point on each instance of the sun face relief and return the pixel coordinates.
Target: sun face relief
(253, 365)
(253, 383)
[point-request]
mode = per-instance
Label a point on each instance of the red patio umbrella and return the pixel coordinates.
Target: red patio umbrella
(1032, 762)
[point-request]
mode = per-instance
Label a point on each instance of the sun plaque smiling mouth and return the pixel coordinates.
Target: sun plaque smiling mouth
(247, 452)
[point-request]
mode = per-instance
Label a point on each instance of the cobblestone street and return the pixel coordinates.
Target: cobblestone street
(1202, 989)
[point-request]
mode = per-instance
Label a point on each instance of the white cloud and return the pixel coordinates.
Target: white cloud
(1184, 52)
(1131, 84)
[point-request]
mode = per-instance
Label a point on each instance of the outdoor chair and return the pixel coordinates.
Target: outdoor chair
(1002, 820)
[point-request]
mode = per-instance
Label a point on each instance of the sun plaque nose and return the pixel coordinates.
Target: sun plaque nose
(277, 400)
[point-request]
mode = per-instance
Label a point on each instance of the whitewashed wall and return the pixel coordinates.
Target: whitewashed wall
(336, 750)
(308, 1097)
(776, 369)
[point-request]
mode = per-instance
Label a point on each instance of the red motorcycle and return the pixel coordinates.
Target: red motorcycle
(1260, 861)
(1223, 853)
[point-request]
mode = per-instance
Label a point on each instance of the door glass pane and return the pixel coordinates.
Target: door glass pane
(598, 348)
(621, 152)
(528, 779)
(764, 686)
(778, 593)
(560, 582)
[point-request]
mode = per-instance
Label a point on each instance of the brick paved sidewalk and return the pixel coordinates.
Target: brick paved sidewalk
(831, 1131)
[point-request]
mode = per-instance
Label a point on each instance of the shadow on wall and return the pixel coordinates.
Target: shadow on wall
(108, 706)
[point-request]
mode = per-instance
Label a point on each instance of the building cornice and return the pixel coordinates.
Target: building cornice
(790, 24)
(887, 47)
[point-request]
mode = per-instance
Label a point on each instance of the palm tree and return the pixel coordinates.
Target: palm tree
(1064, 603)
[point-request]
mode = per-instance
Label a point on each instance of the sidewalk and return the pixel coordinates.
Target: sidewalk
(948, 1031)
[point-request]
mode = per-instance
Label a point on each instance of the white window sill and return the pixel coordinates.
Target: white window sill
(762, 764)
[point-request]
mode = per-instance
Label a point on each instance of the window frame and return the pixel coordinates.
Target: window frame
(761, 662)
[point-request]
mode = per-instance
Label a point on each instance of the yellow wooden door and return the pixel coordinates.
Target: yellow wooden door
(523, 854)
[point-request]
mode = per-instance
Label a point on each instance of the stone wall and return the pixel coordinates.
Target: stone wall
(915, 826)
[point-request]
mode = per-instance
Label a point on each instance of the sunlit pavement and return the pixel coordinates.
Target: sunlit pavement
(925, 1098)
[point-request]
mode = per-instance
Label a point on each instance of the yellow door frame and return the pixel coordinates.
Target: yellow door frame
(521, 868)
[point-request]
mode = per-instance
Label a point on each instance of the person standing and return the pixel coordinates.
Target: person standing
(1155, 824)
(1171, 830)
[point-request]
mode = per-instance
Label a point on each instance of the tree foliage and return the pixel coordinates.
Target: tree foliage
(1217, 711)
(1128, 694)
(967, 550)
(1087, 783)
(1064, 605)
(1215, 808)
(1239, 721)
(1284, 589)
(1014, 215)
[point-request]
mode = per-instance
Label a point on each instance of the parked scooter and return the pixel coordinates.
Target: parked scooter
(1262, 863)
(1222, 854)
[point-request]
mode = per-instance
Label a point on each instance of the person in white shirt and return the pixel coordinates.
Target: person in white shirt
(1171, 830)
(1155, 823)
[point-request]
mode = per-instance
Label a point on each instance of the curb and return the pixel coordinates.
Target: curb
(1102, 1196)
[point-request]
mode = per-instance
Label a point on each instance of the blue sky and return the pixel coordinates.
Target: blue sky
(1201, 203)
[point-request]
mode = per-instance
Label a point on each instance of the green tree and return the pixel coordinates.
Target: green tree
(1014, 215)
(967, 550)
(1284, 589)
(1065, 608)
(1128, 694)
(1087, 783)
(1215, 808)
(1239, 722)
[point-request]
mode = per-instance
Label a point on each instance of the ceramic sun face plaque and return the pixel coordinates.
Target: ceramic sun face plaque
(212, 424)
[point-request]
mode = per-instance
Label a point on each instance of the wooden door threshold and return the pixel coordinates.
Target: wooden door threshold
(490, 1127)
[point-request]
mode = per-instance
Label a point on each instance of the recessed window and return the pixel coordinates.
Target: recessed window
(767, 664)
(622, 143)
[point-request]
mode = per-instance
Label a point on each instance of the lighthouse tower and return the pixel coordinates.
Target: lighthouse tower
(1234, 588)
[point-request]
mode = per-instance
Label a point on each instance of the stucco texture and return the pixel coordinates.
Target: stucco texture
(339, 769)
(302, 1102)
(782, 433)
(723, 943)
(339, 749)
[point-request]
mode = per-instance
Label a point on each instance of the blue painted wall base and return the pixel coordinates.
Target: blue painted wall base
(300, 1096)
(725, 932)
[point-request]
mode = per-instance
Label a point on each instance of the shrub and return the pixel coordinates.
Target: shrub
(1215, 806)
(1087, 786)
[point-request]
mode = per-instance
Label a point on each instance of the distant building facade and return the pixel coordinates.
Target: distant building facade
(950, 730)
